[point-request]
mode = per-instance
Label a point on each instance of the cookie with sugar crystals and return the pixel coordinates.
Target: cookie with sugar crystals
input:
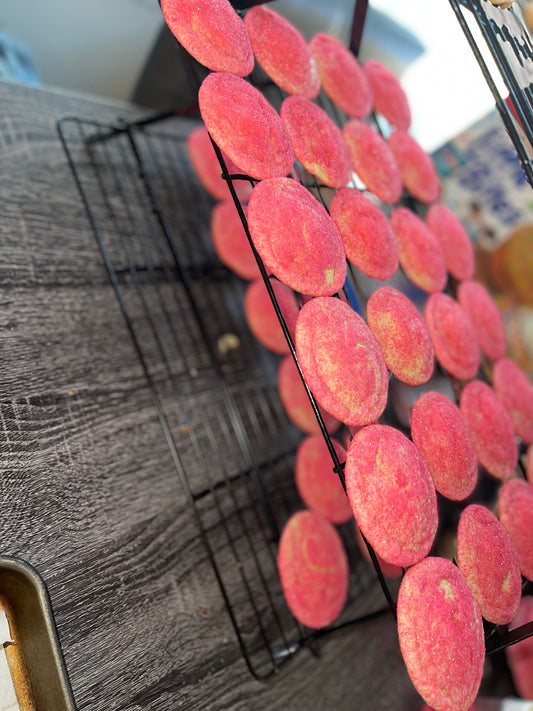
(485, 316)
(416, 167)
(262, 318)
(282, 52)
(391, 494)
(440, 431)
(456, 244)
(489, 562)
(342, 77)
(515, 509)
(515, 390)
(390, 100)
(212, 32)
(491, 428)
(341, 361)
(441, 634)
(296, 238)
(245, 126)
(313, 569)
(317, 141)
(368, 239)
(231, 242)
(402, 334)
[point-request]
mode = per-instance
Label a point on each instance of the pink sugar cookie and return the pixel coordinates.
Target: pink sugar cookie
(317, 141)
(402, 334)
(391, 494)
(520, 655)
(373, 161)
(294, 399)
(491, 429)
(318, 485)
(420, 252)
(515, 509)
(342, 78)
(313, 569)
(390, 100)
(341, 361)
(245, 126)
(489, 562)
(368, 239)
(205, 162)
(416, 167)
(262, 318)
(453, 336)
(212, 32)
(282, 52)
(441, 634)
(457, 246)
(515, 390)
(485, 316)
(231, 243)
(440, 431)
(388, 570)
(296, 238)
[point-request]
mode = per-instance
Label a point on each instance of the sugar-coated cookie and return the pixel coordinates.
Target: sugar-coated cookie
(456, 244)
(231, 242)
(515, 509)
(416, 167)
(262, 318)
(390, 100)
(515, 390)
(388, 570)
(485, 317)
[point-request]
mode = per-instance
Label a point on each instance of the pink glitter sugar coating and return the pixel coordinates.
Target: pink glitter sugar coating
(373, 161)
(457, 246)
(341, 361)
(245, 126)
(231, 243)
(388, 570)
(368, 239)
(390, 100)
(515, 390)
(416, 167)
(262, 318)
(212, 32)
(342, 78)
(391, 494)
(520, 655)
(296, 238)
(402, 334)
(441, 634)
(440, 431)
(420, 252)
(515, 509)
(317, 141)
(318, 485)
(282, 52)
(313, 569)
(205, 162)
(491, 429)
(295, 402)
(453, 336)
(489, 562)
(485, 316)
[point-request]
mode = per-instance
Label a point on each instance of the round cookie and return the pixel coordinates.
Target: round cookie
(456, 244)
(390, 100)
(489, 562)
(282, 52)
(262, 318)
(491, 428)
(391, 494)
(419, 251)
(402, 335)
(245, 126)
(368, 239)
(342, 78)
(231, 242)
(318, 485)
(317, 141)
(212, 32)
(515, 509)
(485, 316)
(296, 403)
(313, 569)
(416, 167)
(440, 431)
(296, 238)
(341, 361)
(515, 390)
(388, 570)
(373, 161)
(453, 336)
(441, 634)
